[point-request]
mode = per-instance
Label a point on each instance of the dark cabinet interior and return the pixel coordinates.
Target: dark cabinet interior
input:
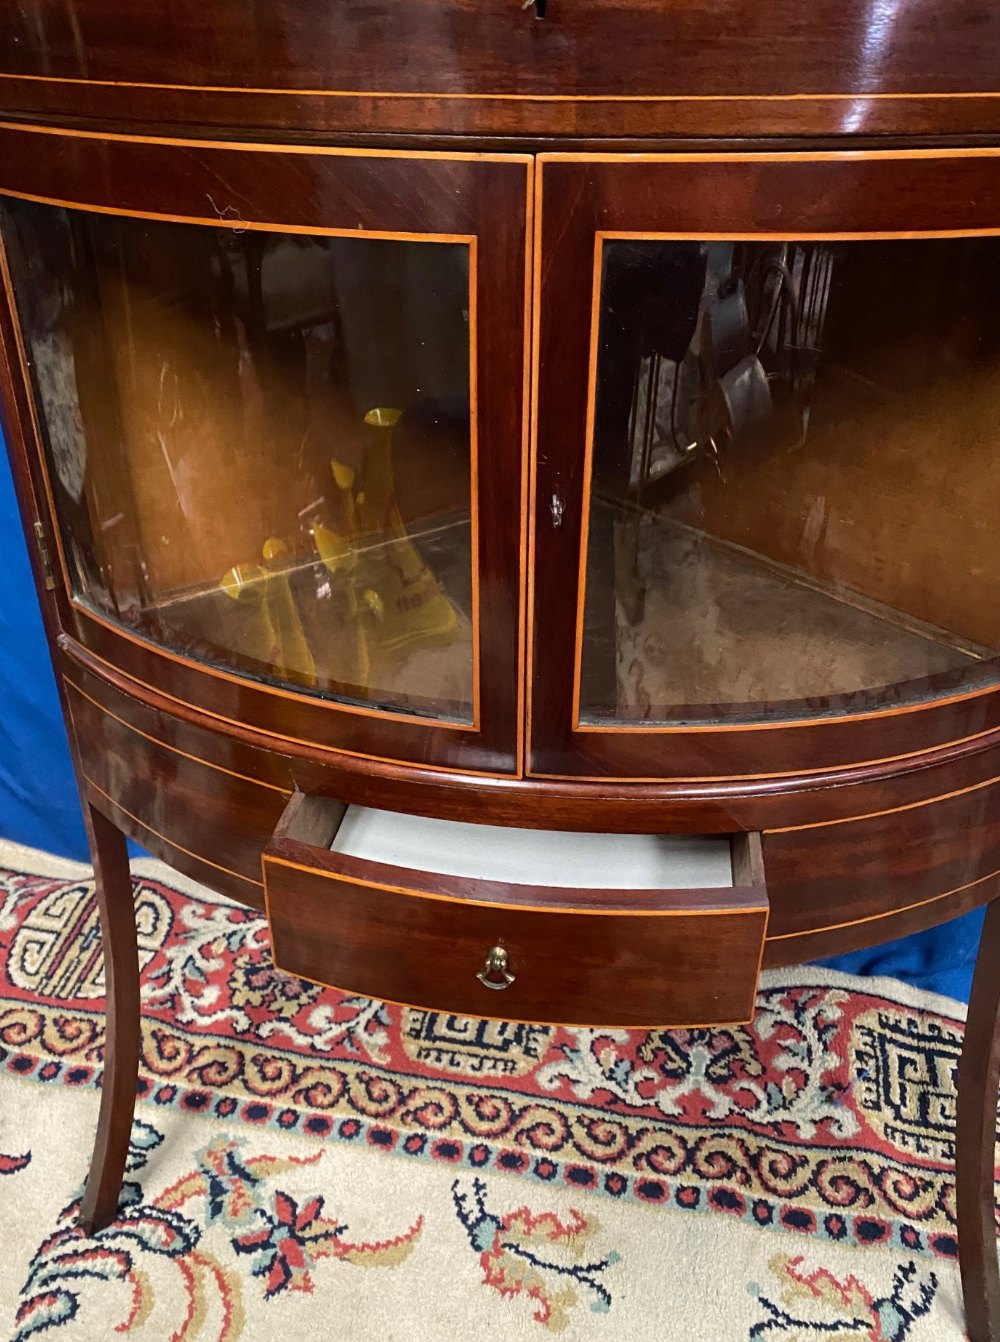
(795, 477)
(261, 446)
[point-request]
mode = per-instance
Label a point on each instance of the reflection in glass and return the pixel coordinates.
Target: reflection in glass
(795, 478)
(261, 445)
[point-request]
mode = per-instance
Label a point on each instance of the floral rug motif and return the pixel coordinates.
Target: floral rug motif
(488, 1177)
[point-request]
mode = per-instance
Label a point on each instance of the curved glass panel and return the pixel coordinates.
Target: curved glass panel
(795, 478)
(261, 446)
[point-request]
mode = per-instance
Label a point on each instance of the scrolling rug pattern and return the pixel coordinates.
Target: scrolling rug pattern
(830, 1118)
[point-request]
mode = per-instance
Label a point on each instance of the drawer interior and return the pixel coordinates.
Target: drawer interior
(534, 857)
(538, 868)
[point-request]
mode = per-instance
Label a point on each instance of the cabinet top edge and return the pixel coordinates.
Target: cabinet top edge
(526, 139)
(529, 118)
(593, 69)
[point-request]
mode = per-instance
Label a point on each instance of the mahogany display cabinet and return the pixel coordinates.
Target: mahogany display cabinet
(514, 492)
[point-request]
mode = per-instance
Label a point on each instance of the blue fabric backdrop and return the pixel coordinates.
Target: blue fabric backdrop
(39, 806)
(38, 797)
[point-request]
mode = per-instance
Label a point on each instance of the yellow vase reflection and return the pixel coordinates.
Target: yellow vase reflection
(383, 602)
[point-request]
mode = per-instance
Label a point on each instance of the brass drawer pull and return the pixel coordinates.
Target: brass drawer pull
(343, 911)
(494, 972)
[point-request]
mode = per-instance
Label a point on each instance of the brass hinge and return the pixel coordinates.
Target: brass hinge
(44, 558)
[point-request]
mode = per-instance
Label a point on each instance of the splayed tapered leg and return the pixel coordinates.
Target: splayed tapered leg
(109, 855)
(978, 1080)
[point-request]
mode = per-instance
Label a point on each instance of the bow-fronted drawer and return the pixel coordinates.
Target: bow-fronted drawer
(536, 925)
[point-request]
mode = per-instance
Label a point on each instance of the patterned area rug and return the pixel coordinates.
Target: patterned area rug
(309, 1163)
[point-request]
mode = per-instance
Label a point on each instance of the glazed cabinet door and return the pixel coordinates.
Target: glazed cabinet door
(278, 396)
(768, 462)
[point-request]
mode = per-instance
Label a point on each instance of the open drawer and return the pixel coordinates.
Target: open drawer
(483, 921)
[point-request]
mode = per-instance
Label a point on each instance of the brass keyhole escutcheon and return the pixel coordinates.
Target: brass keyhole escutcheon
(494, 973)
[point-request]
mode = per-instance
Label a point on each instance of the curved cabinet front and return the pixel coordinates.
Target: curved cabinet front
(765, 534)
(279, 417)
(272, 390)
(846, 866)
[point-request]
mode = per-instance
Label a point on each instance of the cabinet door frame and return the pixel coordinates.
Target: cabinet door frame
(583, 199)
(483, 200)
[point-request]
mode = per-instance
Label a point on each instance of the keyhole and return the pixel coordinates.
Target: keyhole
(539, 7)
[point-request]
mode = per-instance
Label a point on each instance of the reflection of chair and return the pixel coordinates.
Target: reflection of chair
(737, 395)
(784, 291)
(746, 374)
(725, 338)
(650, 296)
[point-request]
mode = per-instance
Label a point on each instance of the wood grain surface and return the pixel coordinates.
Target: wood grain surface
(577, 956)
(489, 67)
